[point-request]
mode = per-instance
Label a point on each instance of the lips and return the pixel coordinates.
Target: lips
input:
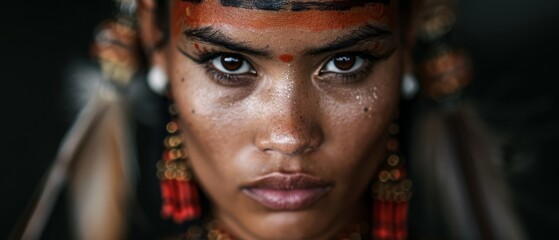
(287, 192)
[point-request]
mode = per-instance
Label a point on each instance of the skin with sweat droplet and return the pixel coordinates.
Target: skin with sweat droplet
(283, 107)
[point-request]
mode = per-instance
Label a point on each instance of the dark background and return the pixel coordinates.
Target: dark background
(38, 40)
(514, 45)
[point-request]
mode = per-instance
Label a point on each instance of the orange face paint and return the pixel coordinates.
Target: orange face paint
(212, 13)
(287, 58)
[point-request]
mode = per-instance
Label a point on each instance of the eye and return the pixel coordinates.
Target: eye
(231, 64)
(343, 63)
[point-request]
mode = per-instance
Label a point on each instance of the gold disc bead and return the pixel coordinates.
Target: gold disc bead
(172, 127)
(393, 160)
(394, 129)
(406, 184)
(173, 141)
(173, 109)
(194, 232)
(384, 176)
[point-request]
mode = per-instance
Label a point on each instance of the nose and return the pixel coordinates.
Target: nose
(289, 124)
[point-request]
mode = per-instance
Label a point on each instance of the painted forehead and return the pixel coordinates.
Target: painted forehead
(266, 14)
(300, 5)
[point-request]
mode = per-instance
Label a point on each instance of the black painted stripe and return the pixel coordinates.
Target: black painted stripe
(276, 5)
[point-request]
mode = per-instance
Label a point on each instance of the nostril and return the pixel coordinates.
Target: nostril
(288, 143)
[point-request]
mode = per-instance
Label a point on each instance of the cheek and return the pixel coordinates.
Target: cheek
(370, 104)
(213, 129)
(210, 144)
(357, 125)
(201, 127)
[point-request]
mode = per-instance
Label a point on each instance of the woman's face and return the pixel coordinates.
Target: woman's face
(284, 106)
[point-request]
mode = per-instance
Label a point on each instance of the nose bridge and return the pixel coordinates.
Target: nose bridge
(290, 125)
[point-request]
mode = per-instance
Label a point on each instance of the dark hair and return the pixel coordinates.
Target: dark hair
(162, 16)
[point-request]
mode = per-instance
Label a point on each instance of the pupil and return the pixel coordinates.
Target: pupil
(344, 62)
(231, 62)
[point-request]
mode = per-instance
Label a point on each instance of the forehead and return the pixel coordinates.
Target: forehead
(299, 5)
(300, 14)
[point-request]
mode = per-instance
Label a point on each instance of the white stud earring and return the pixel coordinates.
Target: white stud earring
(410, 86)
(157, 80)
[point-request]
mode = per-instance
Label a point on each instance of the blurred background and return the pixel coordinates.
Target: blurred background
(38, 41)
(513, 43)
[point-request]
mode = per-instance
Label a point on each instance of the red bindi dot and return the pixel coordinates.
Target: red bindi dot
(287, 58)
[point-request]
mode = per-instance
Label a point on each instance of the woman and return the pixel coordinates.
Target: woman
(284, 107)
(283, 114)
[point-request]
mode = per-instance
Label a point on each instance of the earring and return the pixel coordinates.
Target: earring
(178, 191)
(157, 80)
(391, 193)
(410, 86)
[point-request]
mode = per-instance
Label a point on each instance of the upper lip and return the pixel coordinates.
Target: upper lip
(282, 181)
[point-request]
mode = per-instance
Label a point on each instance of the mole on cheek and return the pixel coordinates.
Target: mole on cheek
(287, 58)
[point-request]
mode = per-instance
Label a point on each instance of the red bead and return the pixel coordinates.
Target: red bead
(167, 207)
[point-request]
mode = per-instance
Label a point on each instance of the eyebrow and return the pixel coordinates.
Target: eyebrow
(213, 36)
(366, 33)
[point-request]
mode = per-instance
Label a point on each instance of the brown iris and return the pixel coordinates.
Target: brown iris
(231, 62)
(344, 62)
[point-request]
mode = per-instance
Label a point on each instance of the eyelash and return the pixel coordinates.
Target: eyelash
(363, 71)
(242, 79)
(219, 76)
(226, 78)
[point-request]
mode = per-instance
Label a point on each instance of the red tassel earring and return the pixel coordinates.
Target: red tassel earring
(178, 190)
(391, 193)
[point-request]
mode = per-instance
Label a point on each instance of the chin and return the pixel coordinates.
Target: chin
(311, 224)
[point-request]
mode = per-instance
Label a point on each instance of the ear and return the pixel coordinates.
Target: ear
(151, 36)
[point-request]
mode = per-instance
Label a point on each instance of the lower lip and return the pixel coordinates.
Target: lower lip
(286, 200)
